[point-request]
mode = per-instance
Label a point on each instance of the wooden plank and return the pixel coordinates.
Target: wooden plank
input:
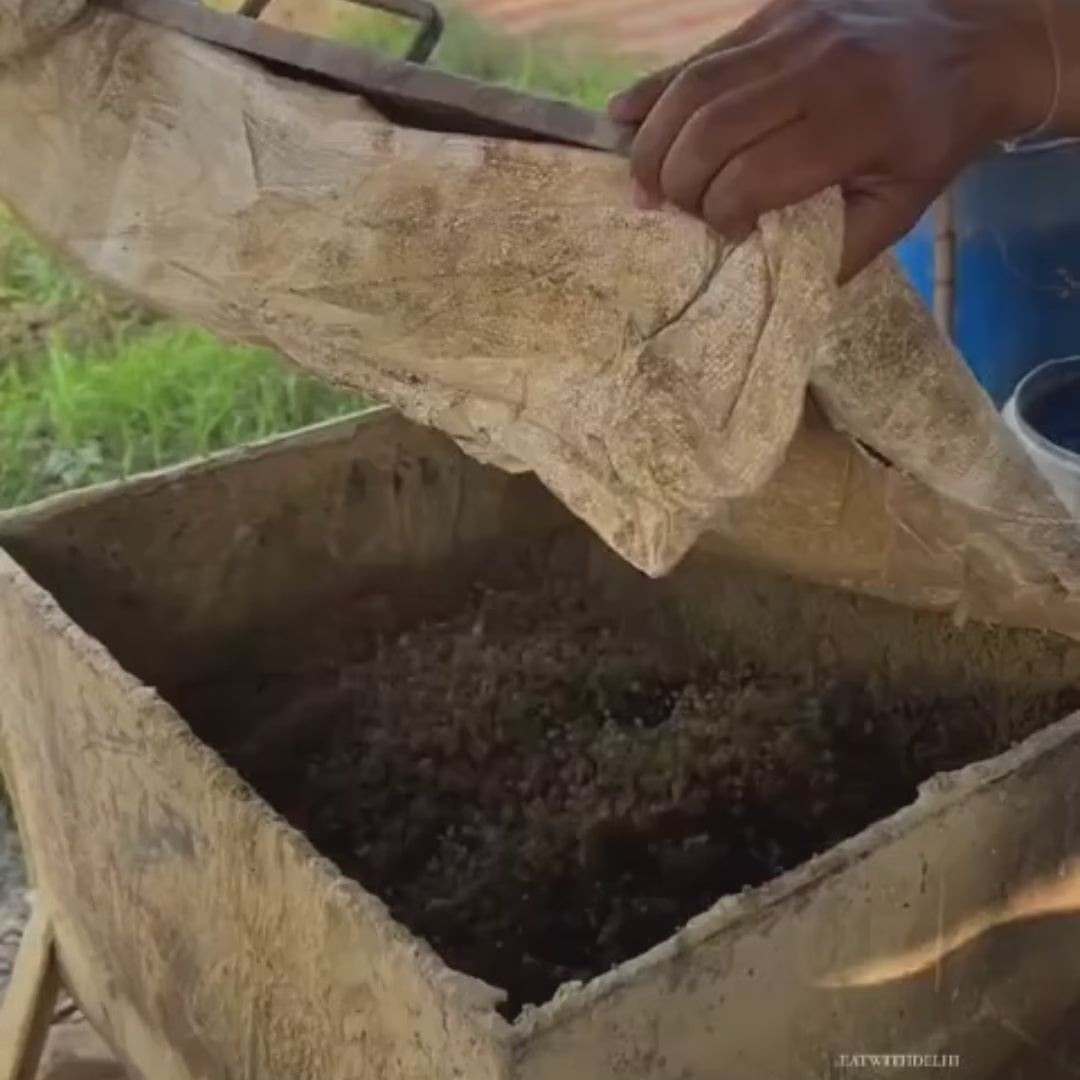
(30, 1000)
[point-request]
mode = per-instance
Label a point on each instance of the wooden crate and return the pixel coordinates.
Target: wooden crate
(205, 938)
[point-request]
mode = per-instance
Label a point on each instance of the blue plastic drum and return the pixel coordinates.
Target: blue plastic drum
(1017, 262)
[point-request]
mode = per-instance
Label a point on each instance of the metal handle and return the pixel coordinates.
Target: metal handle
(421, 11)
(945, 263)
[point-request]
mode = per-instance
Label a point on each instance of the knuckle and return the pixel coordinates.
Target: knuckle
(736, 187)
(668, 122)
(640, 95)
(688, 166)
(693, 82)
(681, 186)
(694, 160)
(731, 206)
(648, 89)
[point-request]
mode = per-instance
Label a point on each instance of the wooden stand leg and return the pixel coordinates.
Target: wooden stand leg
(30, 1001)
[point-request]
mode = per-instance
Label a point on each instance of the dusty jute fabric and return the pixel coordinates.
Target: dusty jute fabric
(662, 384)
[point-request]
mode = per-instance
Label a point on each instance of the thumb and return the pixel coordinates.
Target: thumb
(875, 218)
(633, 104)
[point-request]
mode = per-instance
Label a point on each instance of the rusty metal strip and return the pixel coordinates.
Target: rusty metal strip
(422, 12)
(407, 93)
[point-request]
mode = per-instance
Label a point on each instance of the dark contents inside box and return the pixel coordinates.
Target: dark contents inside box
(542, 787)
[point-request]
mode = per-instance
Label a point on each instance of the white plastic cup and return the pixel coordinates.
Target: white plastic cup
(1044, 414)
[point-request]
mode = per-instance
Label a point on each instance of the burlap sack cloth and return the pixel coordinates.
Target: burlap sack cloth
(662, 384)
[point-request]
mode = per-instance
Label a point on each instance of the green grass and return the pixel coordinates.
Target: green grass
(41, 301)
(28, 272)
(563, 63)
(93, 388)
(165, 396)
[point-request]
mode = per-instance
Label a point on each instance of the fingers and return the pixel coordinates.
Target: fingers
(749, 151)
(807, 95)
(786, 167)
(632, 105)
(742, 87)
(726, 138)
(876, 218)
(790, 167)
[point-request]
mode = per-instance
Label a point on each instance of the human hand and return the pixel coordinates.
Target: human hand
(888, 99)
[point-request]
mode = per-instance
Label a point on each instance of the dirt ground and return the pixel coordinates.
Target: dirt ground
(543, 790)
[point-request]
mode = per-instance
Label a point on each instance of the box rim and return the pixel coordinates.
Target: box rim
(934, 797)
(464, 994)
(325, 431)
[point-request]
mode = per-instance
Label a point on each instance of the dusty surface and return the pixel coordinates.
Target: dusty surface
(542, 792)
